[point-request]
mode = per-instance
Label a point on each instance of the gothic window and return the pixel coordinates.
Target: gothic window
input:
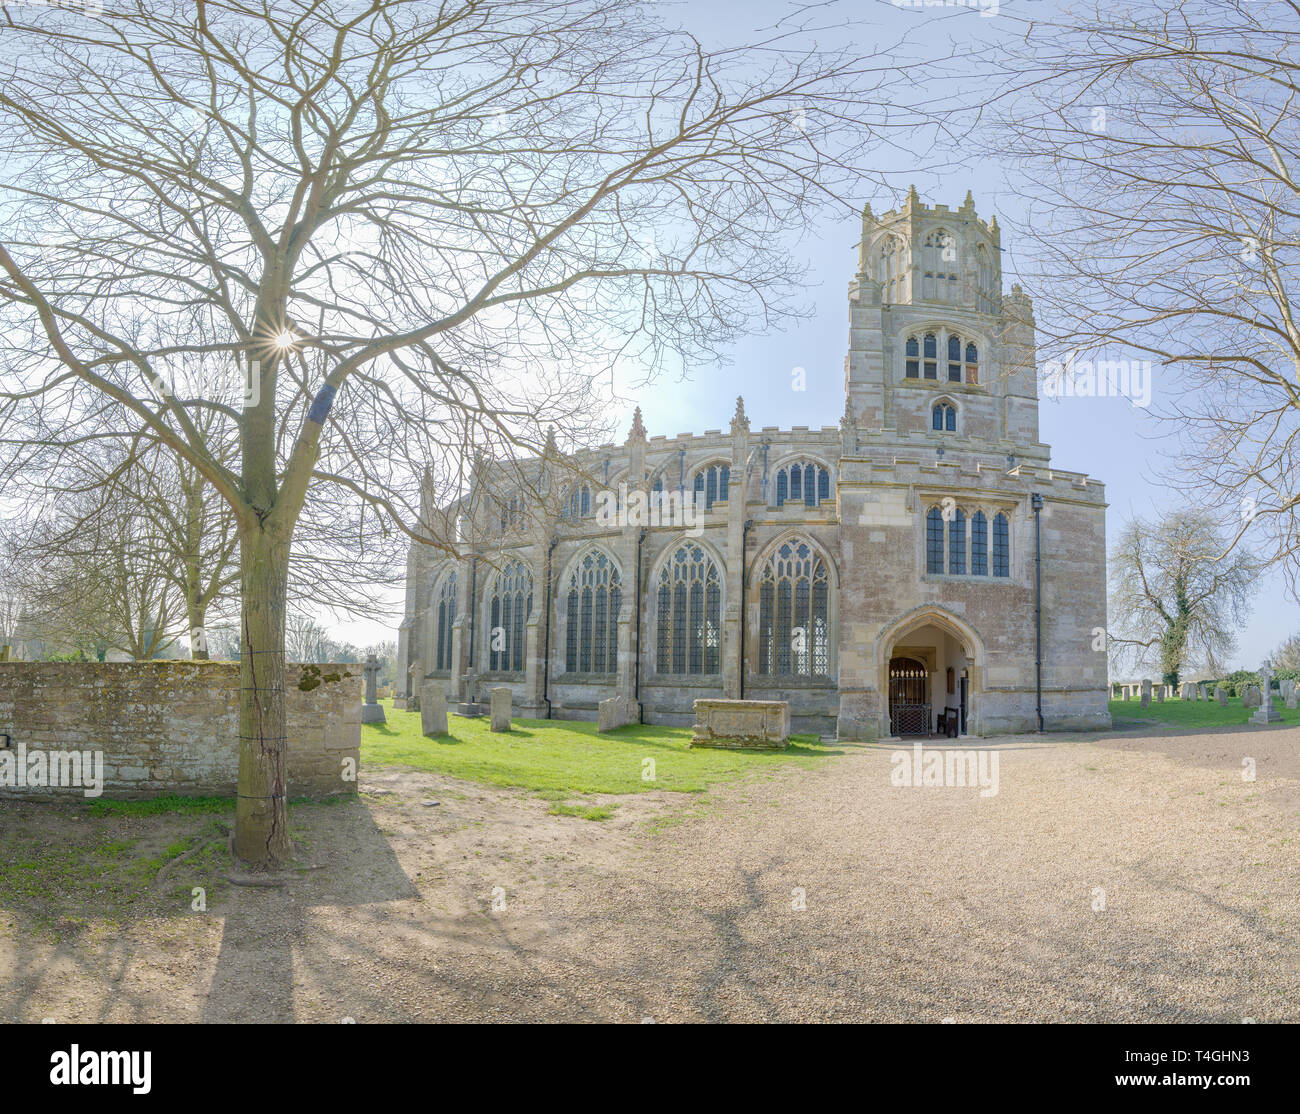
(985, 293)
(889, 269)
(951, 536)
(913, 358)
(689, 634)
(579, 503)
(939, 259)
(1001, 546)
(943, 418)
(512, 513)
(510, 603)
(802, 482)
(446, 616)
(931, 356)
(794, 613)
(591, 642)
(957, 543)
(711, 484)
(934, 541)
(979, 544)
(972, 363)
(954, 358)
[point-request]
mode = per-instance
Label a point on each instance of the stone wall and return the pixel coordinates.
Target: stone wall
(172, 726)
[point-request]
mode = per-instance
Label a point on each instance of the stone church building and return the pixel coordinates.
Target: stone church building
(884, 575)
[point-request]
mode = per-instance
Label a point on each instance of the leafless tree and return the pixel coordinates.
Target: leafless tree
(1287, 655)
(1175, 600)
(1159, 143)
(430, 230)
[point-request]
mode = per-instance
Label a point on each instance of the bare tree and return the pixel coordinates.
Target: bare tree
(1175, 602)
(429, 229)
(1160, 142)
(1287, 655)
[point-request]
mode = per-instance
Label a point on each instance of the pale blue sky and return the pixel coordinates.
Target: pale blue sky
(1107, 438)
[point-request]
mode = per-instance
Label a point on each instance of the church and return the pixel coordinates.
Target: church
(920, 567)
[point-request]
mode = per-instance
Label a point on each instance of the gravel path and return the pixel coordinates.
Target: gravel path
(1118, 879)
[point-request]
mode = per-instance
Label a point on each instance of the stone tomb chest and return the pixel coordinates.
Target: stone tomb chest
(742, 724)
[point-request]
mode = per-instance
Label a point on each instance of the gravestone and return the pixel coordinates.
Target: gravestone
(1250, 697)
(1268, 712)
(617, 711)
(1146, 694)
(500, 709)
(1293, 695)
(1285, 689)
(371, 711)
(1189, 691)
(433, 708)
(1221, 695)
(1160, 694)
(1202, 693)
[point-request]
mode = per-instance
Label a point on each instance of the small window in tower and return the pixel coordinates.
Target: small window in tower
(954, 359)
(931, 356)
(913, 358)
(972, 364)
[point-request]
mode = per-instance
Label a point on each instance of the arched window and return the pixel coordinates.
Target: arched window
(890, 269)
(591, 642)
(794, 613)
(957, 543)
(445, 612)
(689, 632)
(939, 259)
(934, 541)
(1001, 546)
(944, 418)
(972, 363)
(931, 356)
(509, 605)
(985, 294)
(711, 484)
(913, 358)
(802, 482)
(979, 544)
(954, 358)
(579, 503)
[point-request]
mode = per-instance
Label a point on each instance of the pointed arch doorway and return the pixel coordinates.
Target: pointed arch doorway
(931, 662)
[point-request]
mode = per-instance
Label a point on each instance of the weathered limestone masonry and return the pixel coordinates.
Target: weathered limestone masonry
(875, 574)
(171, 726)
(742, 724)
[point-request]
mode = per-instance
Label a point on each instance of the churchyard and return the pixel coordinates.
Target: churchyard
(539, 874)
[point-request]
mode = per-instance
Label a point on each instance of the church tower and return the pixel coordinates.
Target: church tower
(934, 344)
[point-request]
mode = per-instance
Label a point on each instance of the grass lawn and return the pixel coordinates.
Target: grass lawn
(559, 759)
(1194, 713)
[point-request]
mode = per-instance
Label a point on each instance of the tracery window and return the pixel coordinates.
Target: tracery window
(445, 612)
(594, 599)
(946, 542)
(802, 482)
(509, 605)
(711, 484)
(921, 357)
(689, 622)
(944, 417)
(794, 613)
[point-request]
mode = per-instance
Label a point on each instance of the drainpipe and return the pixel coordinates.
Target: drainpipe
(744, 598)
(1036, 502)
(546, 638)
(636, 666)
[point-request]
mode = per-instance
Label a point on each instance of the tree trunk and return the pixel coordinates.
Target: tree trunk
(261, 820)
(198, 616)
